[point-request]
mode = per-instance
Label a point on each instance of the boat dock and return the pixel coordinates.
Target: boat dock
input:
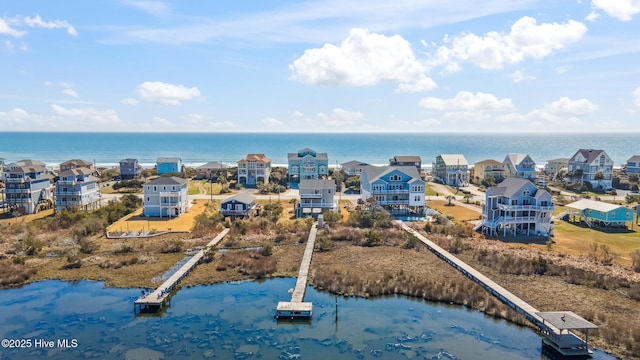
(297, 308)
(554, 332)
(156, 300)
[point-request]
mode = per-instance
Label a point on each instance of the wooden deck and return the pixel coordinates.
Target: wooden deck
(296, 308)
(554, 333)
(156, 299)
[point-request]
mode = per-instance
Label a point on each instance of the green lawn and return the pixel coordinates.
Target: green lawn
(196, 187)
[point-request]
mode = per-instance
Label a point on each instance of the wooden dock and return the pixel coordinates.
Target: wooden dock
(297, 308)
(156, 300)
(553, 331)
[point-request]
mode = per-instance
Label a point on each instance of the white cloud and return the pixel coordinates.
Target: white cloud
(519, 76)
(55, 24)
(15, 117)
(362, 59)
(152, 7)
(129, 101)
(622, 10)
(564, 112)
(166, 94)
(466, 101)
(70, 92)
(593, 16)
(422, 84)
(298, 114)
(526, 40)
(636, 96)
(341, 117)
(160, 121)
(87, 116)
(562, 69)
(272, 122)
(5, 28)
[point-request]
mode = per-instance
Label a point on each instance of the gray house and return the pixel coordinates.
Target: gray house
(130, 169)
(239, 206)
(165, 197)
(316, 197)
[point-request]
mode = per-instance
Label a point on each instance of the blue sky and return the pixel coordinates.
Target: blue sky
(320, 66)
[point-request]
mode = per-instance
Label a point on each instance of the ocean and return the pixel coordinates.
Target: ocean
(107, 149)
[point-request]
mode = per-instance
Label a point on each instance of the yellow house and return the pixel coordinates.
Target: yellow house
(488, 168)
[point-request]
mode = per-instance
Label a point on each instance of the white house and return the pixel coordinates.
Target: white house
(77, 188)
(28, 188)
(520, 165)
(165, 197)
(517, 207)
(586, 164)
(451, 169)
(316, 197)
(253, 169)
(398, 189)
(353, 167)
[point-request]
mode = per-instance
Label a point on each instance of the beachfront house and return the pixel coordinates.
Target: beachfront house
(451, 169)
(165, 197)
(398, 189)
(76, 164)
(130, 169)
(168, 165)
(593, 166)
(1, 165)
(254, 169)
(28, 189)
(520, 165)
(316, 197)
(353, 167)
(77, 189)
(211, 170)
(14, 165)
(599, 214)
(488, 169)
(407, 160)
(240, 206)
(307, 164)
(633, 165)
(553, 167)
(517, 207)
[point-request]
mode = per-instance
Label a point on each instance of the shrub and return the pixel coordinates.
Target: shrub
(323, 244)
(87, 246)
(373, 238)
(456, 245)
(635, 258)
(124, 248)
(171, 246)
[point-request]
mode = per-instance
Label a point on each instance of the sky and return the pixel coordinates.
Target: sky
(456, 66)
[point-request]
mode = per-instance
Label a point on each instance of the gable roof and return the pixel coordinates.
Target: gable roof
(168, 160)
(243, 197)
(593, 205)
(635, 159)
(454, 159)
(128, 161)
(511, 185)
(516, 159)
(26, 162)
(28, 169)
(77, 162)
(167, 181)
(353, 164)
(489, 162)
(317, 184)
(255, 157)
(76, 172)
(319, 156)
(589, 154)
(213, 165)
(373, 173)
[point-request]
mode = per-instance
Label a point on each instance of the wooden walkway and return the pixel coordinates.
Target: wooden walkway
(297, 308)
(498, 291)
(156, 299)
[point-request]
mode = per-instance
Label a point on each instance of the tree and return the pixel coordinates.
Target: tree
(633, 178)
(450, 198)
(489, 181)
(599, 176)
(468, 197)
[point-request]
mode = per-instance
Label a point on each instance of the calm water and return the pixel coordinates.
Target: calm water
(234, 321)
(110, 148)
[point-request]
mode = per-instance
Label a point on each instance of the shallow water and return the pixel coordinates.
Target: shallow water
(235, 321)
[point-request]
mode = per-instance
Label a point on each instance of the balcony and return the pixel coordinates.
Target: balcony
(234, 212)
(525, 207)
(394, 202)
(390, 192)
(316, 205)
(17, 191)
(311, 195)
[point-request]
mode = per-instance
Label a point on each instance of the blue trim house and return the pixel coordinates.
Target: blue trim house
(166, 165)
(307, 164)
(165, 197)
(28, 188)
(520, 165)
(239, 206)
(77, 189)
(397, 189)
(633, 165)
(597, 213)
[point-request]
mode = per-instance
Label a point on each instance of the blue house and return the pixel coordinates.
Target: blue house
(599, 214)
(398, 189)
(633, 165)
(166, 165)
(239, 206)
